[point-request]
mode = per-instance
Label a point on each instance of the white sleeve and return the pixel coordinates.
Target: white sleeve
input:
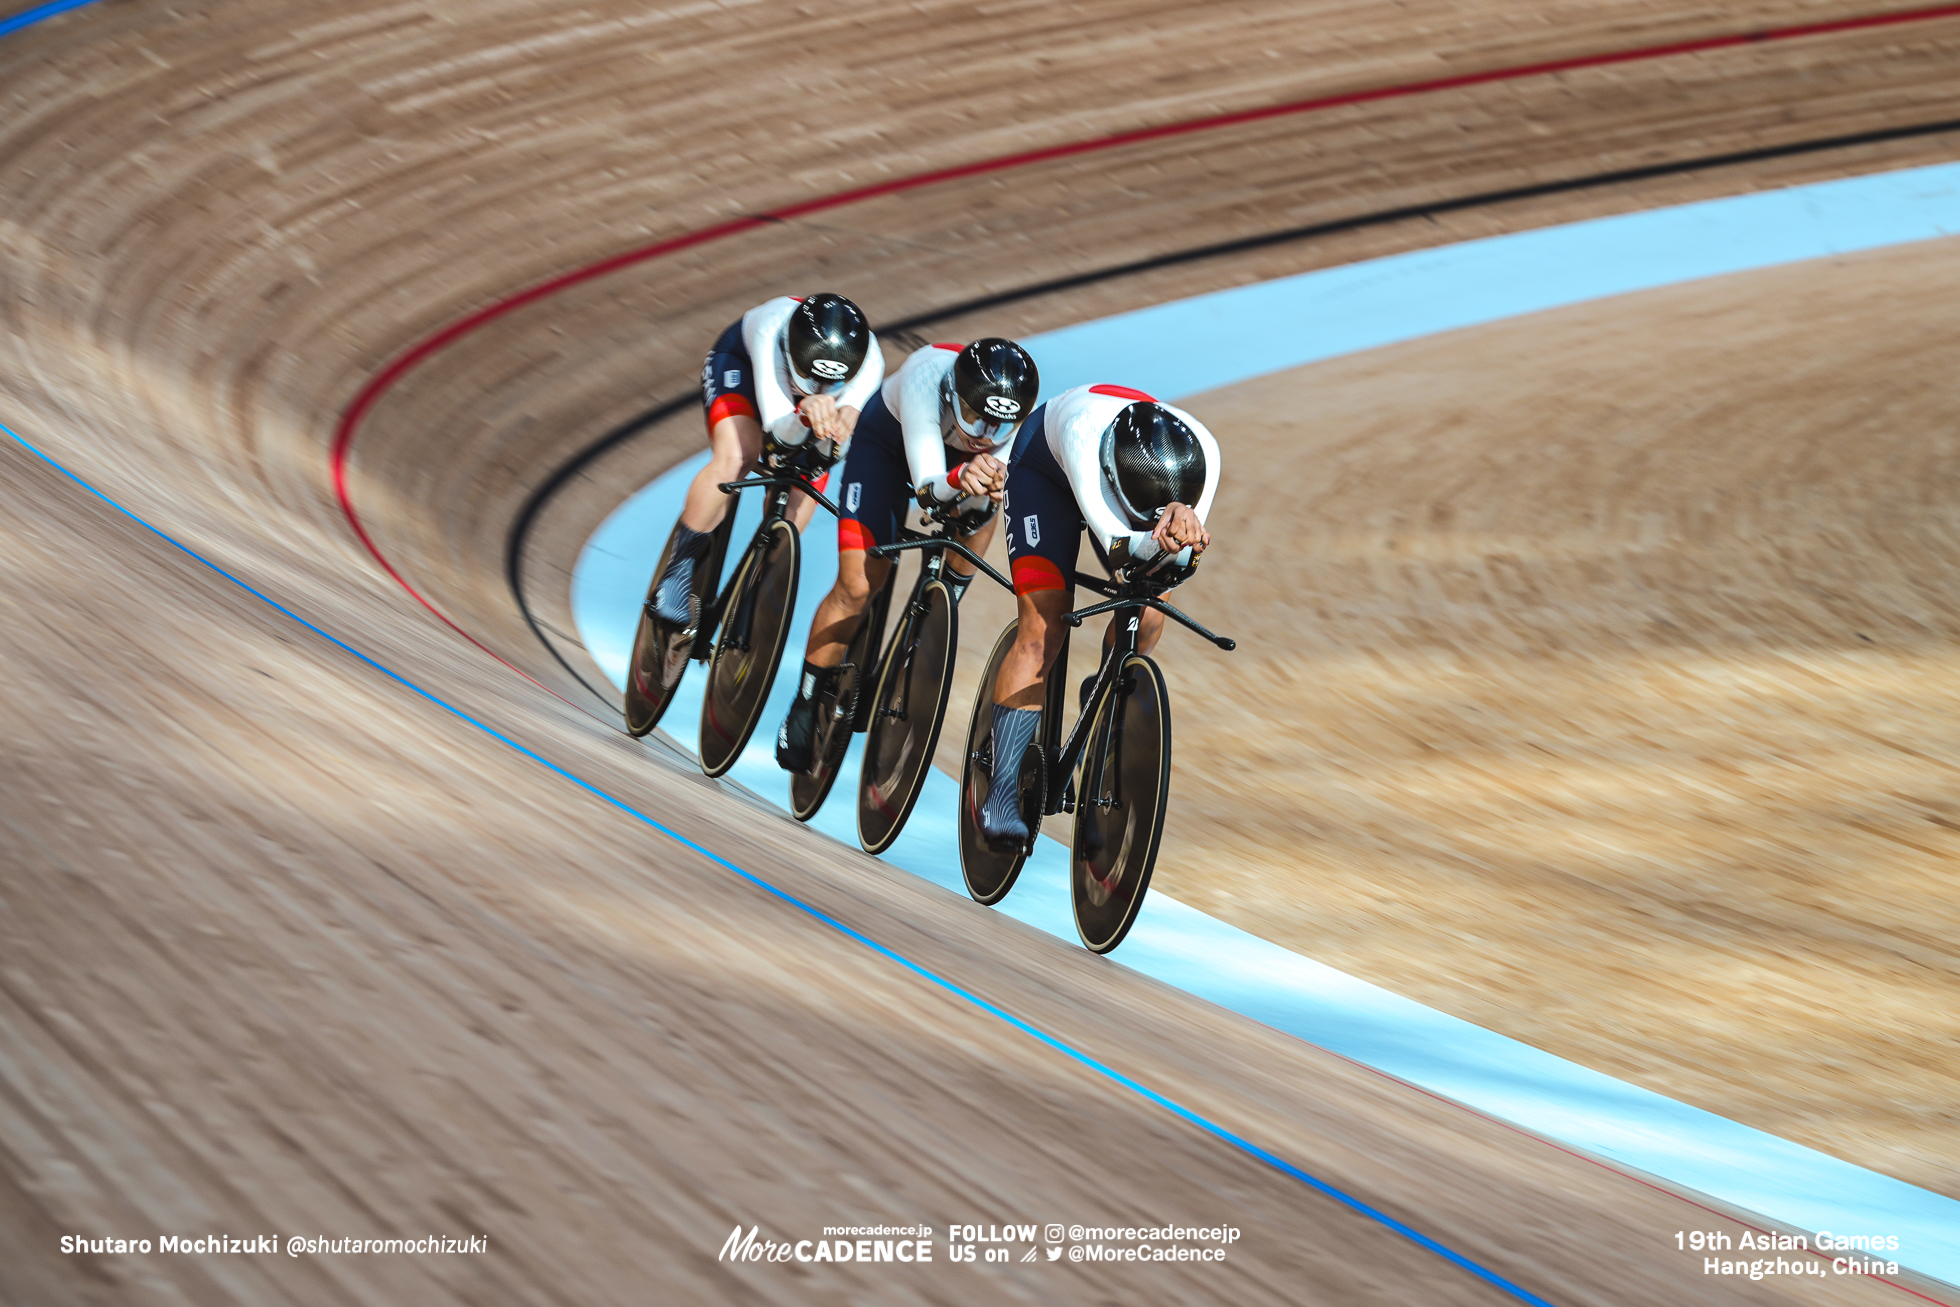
(1082, 460)
(857, 392)
(762, 336)
(921, 421)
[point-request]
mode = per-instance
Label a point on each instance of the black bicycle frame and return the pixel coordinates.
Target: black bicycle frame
(930, 569)
(786, 475)
(1061, 772)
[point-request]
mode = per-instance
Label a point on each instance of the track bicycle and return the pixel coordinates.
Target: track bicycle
(842, 708)
(740, 634)
(1113, 771)
(902, 718)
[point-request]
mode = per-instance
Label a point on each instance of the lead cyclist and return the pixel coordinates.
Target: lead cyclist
(1140, 476)
(930, 436)
(795, 368)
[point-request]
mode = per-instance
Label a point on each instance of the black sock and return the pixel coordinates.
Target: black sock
(957, 583)
(689, 543)
(815, 679)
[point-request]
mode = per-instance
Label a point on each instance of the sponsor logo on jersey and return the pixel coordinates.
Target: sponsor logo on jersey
(732, 378)
(853, 494)
(1031, 527)
(830, 369)
(1001, 407)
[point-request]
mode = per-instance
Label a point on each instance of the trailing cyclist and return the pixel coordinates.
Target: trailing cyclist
(795, 369)
(929, 436)
(1140, 475)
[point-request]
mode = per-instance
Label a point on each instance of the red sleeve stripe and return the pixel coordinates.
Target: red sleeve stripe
(940, 344)
(852, 535)
(1121, 392)
(1034, 573)
(822, 481)
(953, 477)
(729, 406)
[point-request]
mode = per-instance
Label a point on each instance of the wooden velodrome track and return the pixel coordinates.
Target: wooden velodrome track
(289, 947)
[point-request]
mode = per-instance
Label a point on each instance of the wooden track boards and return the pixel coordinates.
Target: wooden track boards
(288, 946)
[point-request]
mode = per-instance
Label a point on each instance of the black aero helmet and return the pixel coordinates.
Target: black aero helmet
(1151, 458)
(992, 386)
(825, 344)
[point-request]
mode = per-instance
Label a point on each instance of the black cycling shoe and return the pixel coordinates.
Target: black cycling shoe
(680, 643)
(1004, 831)
(796, 741)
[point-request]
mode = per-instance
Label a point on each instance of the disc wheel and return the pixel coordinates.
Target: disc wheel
(989, 875)
(1121, 784)
(841, 709)
(754, 626)
(906, 714)
(661, 648)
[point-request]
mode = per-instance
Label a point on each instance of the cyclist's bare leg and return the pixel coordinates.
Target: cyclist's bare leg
(736, 442)
(801, 509)
(1023, 678)
(858, 577)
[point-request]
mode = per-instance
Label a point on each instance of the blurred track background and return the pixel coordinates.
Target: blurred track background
(1594, 686)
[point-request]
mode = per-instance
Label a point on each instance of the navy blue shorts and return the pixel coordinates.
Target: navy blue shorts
(877, 480)
(1044, 523)
(727, 379)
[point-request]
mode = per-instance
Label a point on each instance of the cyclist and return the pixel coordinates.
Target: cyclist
(929, 436)
(819, 364)
(1140, 475)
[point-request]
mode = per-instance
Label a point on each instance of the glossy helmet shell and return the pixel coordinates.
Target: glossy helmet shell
(991, 389)
(1151, 458)
(825, 344)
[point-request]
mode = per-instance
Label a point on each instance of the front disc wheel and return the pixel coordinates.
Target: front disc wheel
(1121, 785)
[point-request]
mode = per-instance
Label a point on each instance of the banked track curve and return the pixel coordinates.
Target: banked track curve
(390, 569)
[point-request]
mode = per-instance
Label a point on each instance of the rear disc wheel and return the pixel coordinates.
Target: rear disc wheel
(906, 714)
(840, 709)
(754, 627)
(989, 875)
(660, 650)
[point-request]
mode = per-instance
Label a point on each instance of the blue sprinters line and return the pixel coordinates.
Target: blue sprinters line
(8, 26)
(1204, 1123)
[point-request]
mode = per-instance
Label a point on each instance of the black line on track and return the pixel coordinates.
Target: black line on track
(521, 528)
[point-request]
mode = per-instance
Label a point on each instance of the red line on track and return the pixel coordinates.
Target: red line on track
(371, 393)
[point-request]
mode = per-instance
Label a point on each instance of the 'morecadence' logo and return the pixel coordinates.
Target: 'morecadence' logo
(752, 1247)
